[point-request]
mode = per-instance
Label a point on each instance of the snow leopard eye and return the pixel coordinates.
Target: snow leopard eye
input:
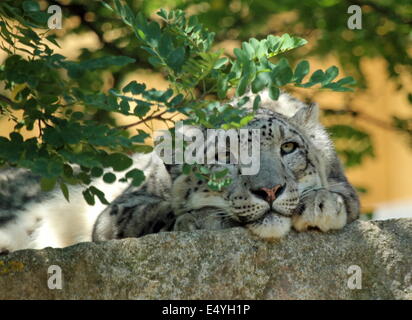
(288, 147)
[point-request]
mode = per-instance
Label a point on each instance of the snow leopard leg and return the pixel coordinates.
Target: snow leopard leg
(139, 210)
(133, 214)
(205, 218)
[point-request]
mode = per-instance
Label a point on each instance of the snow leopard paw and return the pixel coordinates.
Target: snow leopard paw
(320, 209)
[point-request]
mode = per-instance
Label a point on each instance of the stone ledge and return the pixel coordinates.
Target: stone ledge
(227, 264)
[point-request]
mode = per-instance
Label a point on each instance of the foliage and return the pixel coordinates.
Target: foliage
(385, 34)
(55, 95)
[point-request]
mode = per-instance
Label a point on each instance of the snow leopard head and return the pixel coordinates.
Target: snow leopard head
(294, 149)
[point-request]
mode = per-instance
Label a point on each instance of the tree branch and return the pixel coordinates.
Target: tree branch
(156, 117)
(6, 100)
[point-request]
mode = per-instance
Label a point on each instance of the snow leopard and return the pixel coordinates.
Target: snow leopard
(300, 185)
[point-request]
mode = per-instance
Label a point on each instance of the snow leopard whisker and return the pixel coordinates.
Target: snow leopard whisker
(307, 191)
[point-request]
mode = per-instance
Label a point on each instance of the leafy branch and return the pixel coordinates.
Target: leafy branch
(54, 93)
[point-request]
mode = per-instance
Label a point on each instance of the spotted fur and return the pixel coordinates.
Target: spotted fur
(312, 191)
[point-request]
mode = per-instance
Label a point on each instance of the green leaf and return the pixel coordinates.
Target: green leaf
(165, 45)
(289, 43)
(317, 76)
(274, 43)
(162, 13)
(176, 59)
(330, 74)
(75, 70)
(204, 170)
(166, 95)
(346, 81)
(242, 101)
(109, 177)
(96, 172)
(52, 39)
(155, 61)
(142, 108)
(256, 102)
(178, 99)
(106, 5)
(53, 137)
(220, 174)
(241, 87)
(137, 176)
(54, 168)
(221, 62)
(302, 69)
(118, 161)
(152, 33)
(282, 74)
(124, 107)
(248, 50)
(222, 87)
(67, 171)
(31, 6)
(261, 81)
(89, 197)
(245, 120)
(141, 137)
(142, 148)
(65, 191)
(241, 55)
(16, 137)
(134, 87)
(274, 92)
(282, 44)
(186, 169)
(47, 184)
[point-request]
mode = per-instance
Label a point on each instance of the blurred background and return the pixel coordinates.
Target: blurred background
(371, 127)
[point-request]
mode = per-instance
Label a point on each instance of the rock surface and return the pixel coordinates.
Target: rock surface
(228, 264)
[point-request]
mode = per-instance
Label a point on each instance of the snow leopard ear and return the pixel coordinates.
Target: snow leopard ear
(307, 115)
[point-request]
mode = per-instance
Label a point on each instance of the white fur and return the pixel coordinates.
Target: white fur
(56, 222)
(198, 201)
(333, 217)
(272, 227)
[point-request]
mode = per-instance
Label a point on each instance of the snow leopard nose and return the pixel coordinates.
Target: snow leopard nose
(269, 194)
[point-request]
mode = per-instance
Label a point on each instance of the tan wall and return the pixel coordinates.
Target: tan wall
(388, 176)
